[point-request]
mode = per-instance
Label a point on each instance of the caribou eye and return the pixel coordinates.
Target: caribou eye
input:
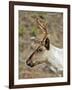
(40, 50)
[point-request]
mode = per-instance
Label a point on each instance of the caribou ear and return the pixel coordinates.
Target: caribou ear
(47, 44)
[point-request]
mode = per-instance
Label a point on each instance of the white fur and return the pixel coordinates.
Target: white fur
(55, 57)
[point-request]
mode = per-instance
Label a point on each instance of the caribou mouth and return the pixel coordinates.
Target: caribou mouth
(30, 64)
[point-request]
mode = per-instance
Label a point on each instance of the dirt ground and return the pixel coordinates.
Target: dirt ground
(28, 29)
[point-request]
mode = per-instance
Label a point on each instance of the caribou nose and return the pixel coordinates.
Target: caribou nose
(29, 63)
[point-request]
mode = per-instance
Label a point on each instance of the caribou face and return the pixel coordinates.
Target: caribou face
(37, 58)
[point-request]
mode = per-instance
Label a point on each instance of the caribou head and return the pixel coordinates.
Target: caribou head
(46, 52)
(44, 44)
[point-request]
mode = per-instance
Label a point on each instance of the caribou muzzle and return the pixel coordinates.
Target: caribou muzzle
(30, 63)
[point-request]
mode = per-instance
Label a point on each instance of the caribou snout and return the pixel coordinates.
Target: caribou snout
(30, 63)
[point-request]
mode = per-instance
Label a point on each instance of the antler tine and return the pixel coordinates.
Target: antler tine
(42, 26)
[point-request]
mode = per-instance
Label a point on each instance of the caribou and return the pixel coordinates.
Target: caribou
(46, 52)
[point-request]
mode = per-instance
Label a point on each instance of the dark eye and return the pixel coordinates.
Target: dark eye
(40, 50)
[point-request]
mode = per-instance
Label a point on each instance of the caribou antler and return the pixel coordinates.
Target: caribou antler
(44, 30)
